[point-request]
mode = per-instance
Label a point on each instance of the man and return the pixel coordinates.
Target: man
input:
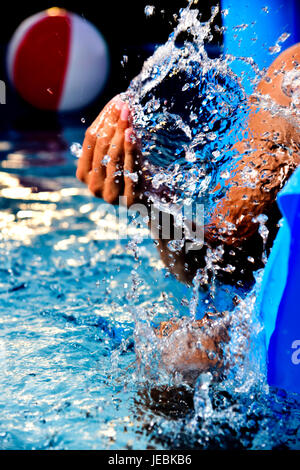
(274, 141)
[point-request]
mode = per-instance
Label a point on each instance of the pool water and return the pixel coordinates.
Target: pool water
(67, 355)
(72, 294)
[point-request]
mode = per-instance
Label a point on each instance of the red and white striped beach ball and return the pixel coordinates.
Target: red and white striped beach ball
(57, 60)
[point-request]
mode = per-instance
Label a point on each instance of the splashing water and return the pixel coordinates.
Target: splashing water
(149, 10)
(188, 111)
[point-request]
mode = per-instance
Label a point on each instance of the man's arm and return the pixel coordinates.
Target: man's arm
(274, 141)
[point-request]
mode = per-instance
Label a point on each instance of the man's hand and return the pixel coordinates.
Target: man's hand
(196, 346)
(110, 161)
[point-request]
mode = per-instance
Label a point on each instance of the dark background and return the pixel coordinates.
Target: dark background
(127, 31)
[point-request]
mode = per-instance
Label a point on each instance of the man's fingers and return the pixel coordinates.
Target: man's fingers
(105, 139)
(124, 117)
(97, 174)
(131, 167)
(109, 162)
(86, 158)
(109, 115)
(114, 181)
(107, 119)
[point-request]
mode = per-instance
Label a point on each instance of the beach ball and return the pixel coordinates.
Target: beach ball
(57, 60)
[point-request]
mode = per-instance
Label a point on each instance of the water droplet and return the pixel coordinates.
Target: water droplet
(225, 174)
(229, 268)
(190, 156)
(76, 149)
(211, 136)
(124, 60)
(216, 153)
(274, 49)
(133, 176)
(184, 302)
(240, 27)
(175, 245)
(211, 355)
(283, 37)
(105, 160)
(149, 10)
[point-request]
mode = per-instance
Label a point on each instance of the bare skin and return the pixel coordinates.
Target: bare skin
(198, 349)
(276, 153)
